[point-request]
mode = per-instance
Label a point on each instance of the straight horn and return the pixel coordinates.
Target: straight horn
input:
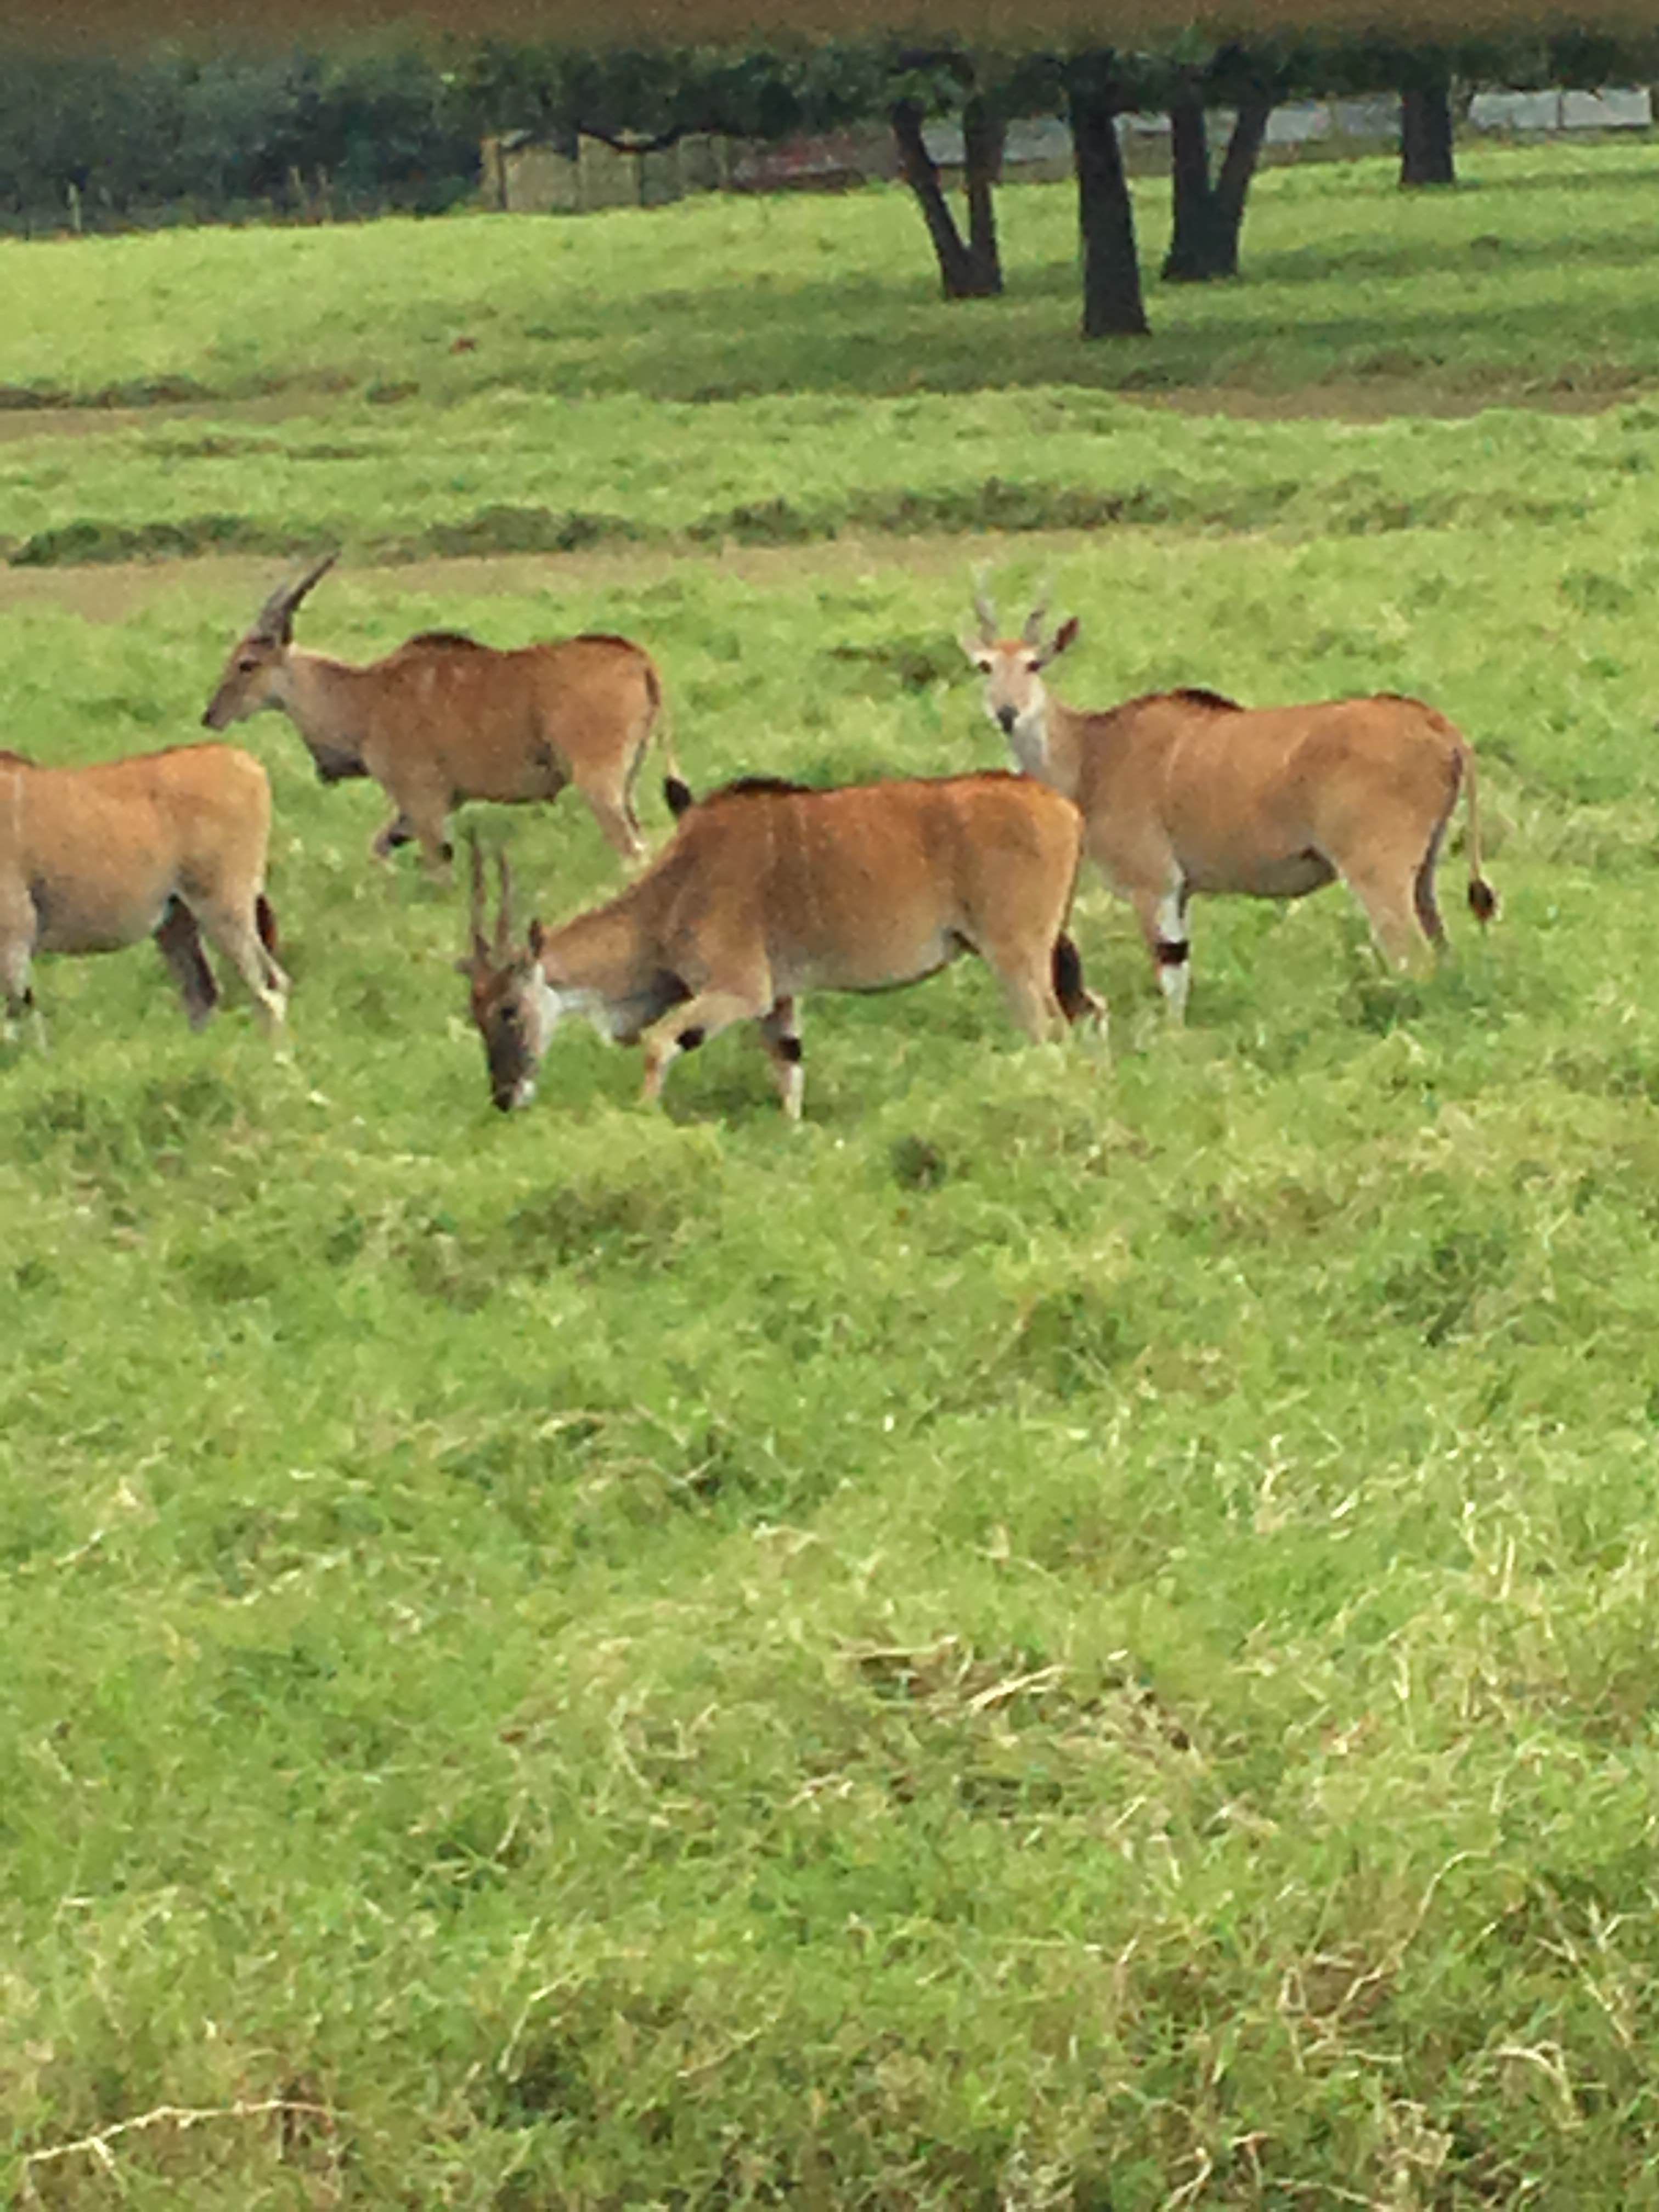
(480, 942)
(1032, 632)
(504, 919)
(984, 611)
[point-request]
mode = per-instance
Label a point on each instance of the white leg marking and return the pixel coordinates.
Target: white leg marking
(1174, 975)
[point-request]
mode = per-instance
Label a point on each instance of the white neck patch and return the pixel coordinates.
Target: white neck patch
(1029, 739)
(592, 1006)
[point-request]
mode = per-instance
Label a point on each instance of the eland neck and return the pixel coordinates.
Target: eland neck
(604, 954)
(1044, 738)
(317, 692)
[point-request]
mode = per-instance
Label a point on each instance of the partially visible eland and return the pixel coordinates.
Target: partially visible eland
(443, 719)
(169, 845)
(1186, 791)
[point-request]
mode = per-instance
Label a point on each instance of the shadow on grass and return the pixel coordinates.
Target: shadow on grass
(904, 350)
(885, 333)
(1363, 503)
(1488, 256)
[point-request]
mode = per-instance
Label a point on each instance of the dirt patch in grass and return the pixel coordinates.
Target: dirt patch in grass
(1381, 399)
(1369, 399)
(28, 412)
(115, 591)
(17, 422)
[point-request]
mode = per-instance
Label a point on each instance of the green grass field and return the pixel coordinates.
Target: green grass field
(1075, 1633)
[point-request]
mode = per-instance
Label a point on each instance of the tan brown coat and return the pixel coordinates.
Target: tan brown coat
(443, 719)
(767, 890)
(1185, 792)
(169, 845)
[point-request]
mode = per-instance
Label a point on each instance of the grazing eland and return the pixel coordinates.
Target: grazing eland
(769, 890)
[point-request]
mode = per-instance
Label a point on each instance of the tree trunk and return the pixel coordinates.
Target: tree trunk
(1208, 217)
(984, 134)
(1193, 247)
(1112, 305)
(970, 271)
(1426, 134)
(1232, 186)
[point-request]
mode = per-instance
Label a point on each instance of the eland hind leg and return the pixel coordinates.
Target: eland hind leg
(236, 934)
(1386, 890)
(179, 942)
(630, 784)
(1078, 1003)
(1391, 872)
(613, 809)
(1392, 876)
(17, 933)
(1028, 973)
(650, 723)
(19, 1001)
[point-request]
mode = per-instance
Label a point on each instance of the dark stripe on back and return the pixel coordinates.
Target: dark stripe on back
(746, 786)
(1195, 695)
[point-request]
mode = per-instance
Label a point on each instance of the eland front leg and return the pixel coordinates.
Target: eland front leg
(1162, 914)
(696, 1019)
(781, 1034)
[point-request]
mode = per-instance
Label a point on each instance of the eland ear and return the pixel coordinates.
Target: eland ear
(537, 938)
(1064, 635)
(975, 646)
